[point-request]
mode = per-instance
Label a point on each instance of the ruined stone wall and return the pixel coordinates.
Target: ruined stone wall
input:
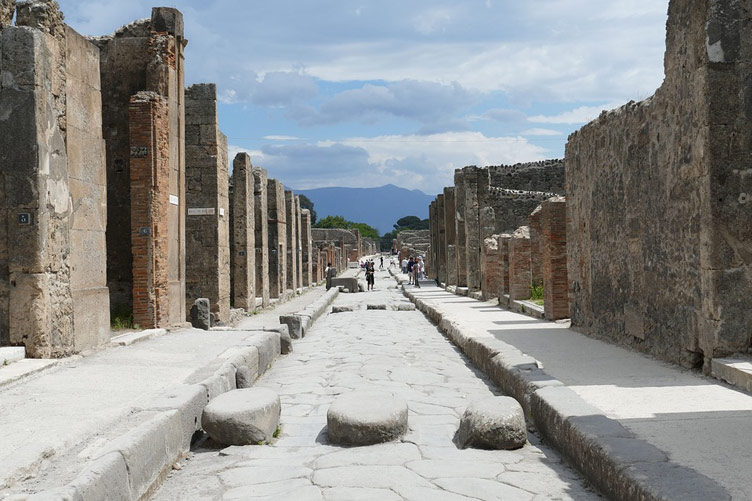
(147, 55)
(309, 259)
(536, 250)
(450, 226)
(658, 199)
(53, 296)
(459, 219)
(291, 281)
(277, 234)
(261, 230)
(492, 267)
(243, 258)
(474, 186)
(299, 241)
(207, 204)
(547, 175)
(504, 240)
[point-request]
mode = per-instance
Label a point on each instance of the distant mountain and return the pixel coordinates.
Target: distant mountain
(378, 207)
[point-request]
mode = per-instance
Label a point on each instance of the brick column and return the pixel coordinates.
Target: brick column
(291, 280)
(491, 267)
(150, 201)
(519, 264)
(261, 231)
(243, 234)
(207, 201)
(504, 239)
(555, 278)
(277, 238)
(309, 254)
(536, 245)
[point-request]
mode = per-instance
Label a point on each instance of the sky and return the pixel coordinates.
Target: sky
(366, 93)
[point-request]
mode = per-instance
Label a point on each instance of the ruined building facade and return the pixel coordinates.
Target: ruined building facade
(116, 191)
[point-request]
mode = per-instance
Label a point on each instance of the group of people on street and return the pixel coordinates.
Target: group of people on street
(414, 268)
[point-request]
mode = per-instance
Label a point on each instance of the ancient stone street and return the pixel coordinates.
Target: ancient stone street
(388, 350)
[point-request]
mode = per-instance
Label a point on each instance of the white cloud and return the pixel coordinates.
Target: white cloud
(432, 20)
(282, 138)
(410, 161)
(276, 88)
(582, 114)
(541, 132)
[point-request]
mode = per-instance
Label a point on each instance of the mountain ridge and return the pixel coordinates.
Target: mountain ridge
(379, 207)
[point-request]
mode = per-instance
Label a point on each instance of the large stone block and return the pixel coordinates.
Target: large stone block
(242, 417)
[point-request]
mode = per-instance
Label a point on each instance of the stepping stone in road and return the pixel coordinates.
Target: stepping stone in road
(493, 423)
(376, 307)
(342, 309)
(405, 307)
(365, 418)
(242, 417)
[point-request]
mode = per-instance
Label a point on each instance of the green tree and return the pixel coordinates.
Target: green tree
(305, 203)
(411, 223)
(340, 222)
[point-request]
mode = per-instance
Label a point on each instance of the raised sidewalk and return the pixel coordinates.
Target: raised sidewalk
(58, 421)
(638, 428)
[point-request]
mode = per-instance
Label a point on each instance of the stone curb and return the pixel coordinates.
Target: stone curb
(611, 457)
(133, 465)
(135, 337)
(299, 322)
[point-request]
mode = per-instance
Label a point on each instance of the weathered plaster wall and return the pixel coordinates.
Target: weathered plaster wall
(660, 217)
(53, 296)
(207, 203)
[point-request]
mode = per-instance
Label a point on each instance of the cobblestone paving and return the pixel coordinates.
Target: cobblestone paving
(396, 351)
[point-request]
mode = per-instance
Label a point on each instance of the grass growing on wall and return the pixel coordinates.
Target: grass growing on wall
(536, 294)
(121, 317)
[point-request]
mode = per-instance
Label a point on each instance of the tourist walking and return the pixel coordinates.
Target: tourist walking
(381, 264)
(417, 270)
(370, 272)
(410, 265)
(404, 265)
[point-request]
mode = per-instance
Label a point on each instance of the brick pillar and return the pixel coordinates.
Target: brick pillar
(441, 264)
(243, 234)
(504, 239)
(299, 241)
(536, 246)
(492, 268)
(150, 201)
(261, 230)
(519, 264)
(207, 201)
(291, 281)
(277, 238)
(555, 278)
(309, 255)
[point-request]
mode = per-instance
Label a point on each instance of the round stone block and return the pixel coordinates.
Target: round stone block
(365, 418)
(493, 423)
(242, 417)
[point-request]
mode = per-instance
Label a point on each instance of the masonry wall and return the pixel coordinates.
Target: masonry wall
(309, 255)
(492, 268)
(536, 245)
(277, 234)
(207, 203)
(450, 225)
(658, 199)
(291, 282)
(461, 243)
(147, 55)
(299, 242)
(504, 240)
(546, 176)
(53, 297)
(243, 262)
(519, 264)
(441, 264)
(261, 231)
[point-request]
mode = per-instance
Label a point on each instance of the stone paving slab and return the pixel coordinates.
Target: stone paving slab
(58, 413)
(399, 352)
(635, 411)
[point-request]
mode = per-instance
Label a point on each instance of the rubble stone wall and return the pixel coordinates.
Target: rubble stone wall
(243, 256)
(291, 280)
(277, 234)
(207, 205)
(659, 204)
(261, 230)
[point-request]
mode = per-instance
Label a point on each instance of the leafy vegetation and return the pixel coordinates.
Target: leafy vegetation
(340, 222)
(121, 317)
(536, 294)
(403, 223)
(305, 203)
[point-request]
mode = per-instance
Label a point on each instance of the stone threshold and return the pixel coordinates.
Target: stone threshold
(736, 371)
